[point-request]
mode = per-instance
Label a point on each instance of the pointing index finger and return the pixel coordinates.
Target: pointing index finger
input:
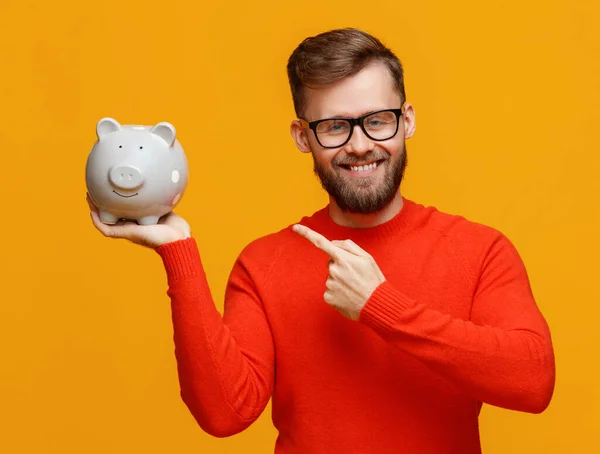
(318, 240)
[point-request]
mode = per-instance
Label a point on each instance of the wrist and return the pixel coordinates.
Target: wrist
(173, 235)
(181, 259)
(385, 307)
(171, 240)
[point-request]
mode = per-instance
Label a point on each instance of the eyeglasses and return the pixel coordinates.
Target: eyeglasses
(336, 132)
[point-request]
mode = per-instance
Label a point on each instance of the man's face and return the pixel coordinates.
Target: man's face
(358, 190)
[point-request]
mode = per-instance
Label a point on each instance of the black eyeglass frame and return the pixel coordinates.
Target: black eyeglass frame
(353, 122)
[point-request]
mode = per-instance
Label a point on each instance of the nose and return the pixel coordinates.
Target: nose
(126, 177)
(359, 143)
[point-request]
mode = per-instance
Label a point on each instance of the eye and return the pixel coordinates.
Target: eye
(141, 147)
(120, 146)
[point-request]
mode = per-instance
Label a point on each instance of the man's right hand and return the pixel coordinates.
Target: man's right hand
(171, 227)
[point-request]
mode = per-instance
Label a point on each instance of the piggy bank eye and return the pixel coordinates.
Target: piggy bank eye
(120, 146)
(141, 147)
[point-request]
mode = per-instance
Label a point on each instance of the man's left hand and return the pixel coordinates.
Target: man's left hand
(353, 273)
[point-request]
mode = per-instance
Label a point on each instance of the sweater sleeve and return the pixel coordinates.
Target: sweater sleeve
(502, 355)
(224, 363)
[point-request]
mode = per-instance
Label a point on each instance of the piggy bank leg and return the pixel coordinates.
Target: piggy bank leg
(148, 220)
(108, 218)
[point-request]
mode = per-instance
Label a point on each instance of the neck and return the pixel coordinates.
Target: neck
(365, 221)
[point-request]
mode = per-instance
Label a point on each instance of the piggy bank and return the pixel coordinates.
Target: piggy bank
(136, 173)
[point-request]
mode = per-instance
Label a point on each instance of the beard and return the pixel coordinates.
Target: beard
(361, 195)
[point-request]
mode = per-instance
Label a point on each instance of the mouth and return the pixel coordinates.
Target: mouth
(363, 169)
(125, 196)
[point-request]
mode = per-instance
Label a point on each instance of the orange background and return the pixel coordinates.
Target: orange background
(507, 99)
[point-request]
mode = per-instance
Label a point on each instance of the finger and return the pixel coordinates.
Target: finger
(90, 202)
(350, 246)
(334, 269)
(120, 230)
(318, 240)
(329, 284)
(105, 229)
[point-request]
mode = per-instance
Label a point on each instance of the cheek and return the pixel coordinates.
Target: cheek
(394, 147)
(326, 159)
(310, 141)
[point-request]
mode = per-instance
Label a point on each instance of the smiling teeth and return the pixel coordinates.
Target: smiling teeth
(363, 168)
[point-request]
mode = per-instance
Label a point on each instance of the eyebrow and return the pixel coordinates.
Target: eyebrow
(360, 114)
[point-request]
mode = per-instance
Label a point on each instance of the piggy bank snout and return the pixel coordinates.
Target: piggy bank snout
(126, 177)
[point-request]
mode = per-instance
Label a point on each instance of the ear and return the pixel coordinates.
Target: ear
(408, 117)
(165, 131)
(300, 136)
(106, 126)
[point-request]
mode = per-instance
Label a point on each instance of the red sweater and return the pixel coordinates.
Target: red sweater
(454, 325)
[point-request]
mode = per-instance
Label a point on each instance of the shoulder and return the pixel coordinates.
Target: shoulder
(454, 226)
(464, 230)
(473, 242)
(268, 248)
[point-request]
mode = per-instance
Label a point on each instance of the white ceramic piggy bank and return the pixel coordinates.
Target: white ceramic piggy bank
(136, 173)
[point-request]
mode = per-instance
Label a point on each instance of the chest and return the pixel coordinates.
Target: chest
(315, 344)
(431, 274)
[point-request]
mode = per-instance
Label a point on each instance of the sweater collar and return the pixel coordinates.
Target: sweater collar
(321, 222)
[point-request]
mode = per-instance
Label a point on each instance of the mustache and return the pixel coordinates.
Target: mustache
(354, 160)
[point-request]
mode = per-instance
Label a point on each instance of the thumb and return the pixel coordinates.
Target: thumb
(350, 246)
(177, 222)
(121, 229)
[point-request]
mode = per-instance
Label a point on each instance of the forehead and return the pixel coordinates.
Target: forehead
(371, 89)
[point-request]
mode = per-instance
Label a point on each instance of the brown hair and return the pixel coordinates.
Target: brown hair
(331, 56)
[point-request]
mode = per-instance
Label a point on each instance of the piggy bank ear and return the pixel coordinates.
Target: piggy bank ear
(165, 131)
(106, 126)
